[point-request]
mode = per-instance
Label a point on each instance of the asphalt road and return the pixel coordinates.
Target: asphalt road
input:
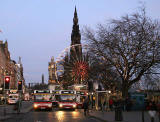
(52, 116)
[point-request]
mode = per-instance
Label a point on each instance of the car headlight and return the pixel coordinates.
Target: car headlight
(50, 105)
(60, 105)
(35, 106)
(74, 106)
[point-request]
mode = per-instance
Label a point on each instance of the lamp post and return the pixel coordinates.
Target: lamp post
(108, 92)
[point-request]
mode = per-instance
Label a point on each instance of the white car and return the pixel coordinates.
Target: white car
(12, 99)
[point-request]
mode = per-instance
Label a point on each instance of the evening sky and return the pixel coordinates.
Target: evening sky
(36, 30)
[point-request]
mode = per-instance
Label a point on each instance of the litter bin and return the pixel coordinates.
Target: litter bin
(118, 111)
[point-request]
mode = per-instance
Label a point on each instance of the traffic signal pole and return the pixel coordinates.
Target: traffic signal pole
(4, 109)
(7, 80)
(20, 90)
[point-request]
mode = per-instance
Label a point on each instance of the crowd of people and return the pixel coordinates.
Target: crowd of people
(125, 105)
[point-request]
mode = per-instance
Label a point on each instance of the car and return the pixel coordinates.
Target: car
(13, 98)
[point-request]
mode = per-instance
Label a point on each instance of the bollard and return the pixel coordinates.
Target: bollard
(118, 114)
(159, 116)
(152, 119)
(118, 110)
(142, 115)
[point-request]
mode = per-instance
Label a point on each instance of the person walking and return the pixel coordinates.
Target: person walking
(111, 104)
(85, 106)
(158, 110)
(104, 106)
(18, 106)
(152, 110)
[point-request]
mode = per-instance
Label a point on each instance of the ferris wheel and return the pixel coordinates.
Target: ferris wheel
(78, 68)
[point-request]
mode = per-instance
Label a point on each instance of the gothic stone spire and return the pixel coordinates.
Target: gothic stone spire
(75, 51)
(75, 36)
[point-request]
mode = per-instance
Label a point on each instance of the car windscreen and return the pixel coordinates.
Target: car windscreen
(42, 97)
(13, 96)
(67, 98)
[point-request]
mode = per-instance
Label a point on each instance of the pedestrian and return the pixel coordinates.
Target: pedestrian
(128, 104)
(104, 106)
(111, 104)
(158, 110)
(152, 110)
(85, 106)
(18, 105)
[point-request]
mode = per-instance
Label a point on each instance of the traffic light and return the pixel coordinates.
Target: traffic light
(7, 80)
(19, 85)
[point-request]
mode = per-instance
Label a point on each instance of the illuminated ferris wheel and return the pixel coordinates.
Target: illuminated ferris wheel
(76, 67)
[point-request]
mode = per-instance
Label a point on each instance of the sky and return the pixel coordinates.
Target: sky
(36, 30)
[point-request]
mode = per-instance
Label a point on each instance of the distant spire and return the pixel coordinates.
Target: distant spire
(19, 61)
(42, 78)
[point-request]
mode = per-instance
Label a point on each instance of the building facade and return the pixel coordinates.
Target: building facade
(9, 67)
(5, 64)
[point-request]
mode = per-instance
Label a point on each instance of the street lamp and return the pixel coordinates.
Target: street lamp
(108, 92)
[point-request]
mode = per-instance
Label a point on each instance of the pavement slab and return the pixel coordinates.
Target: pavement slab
(133, 116)
(10, 112)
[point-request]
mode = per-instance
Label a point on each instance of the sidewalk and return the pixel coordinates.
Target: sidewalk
(10, 112)
(133, 116)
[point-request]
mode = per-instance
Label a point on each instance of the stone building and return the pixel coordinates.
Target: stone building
(9, 67)
(5, 64)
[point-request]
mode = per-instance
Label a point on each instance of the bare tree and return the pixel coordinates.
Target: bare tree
(152, 82)
(103, 73)
(131, 45)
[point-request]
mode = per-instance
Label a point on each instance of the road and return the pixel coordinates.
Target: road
(52, 116)
(55, 115)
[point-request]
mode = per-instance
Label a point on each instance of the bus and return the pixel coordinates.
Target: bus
(42, 100)
(67, 99)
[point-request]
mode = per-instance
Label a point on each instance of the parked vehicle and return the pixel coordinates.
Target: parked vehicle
(13, 98)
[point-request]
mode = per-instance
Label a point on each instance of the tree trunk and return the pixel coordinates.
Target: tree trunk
(124, 90)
